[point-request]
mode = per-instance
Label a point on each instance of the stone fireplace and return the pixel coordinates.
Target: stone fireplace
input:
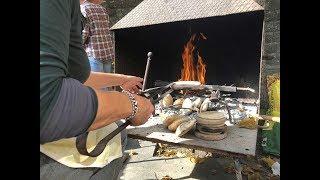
(231, 49)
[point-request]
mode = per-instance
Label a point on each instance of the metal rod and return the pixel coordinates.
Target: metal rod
(246, 89)
(229, 113)
(146, 71)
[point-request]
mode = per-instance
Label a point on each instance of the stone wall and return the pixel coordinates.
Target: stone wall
(270, 45)
(119, 8)
(271, 37)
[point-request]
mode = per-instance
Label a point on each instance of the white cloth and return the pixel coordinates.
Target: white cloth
(65, 152)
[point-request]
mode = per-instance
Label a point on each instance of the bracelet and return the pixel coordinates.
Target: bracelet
(134, 105)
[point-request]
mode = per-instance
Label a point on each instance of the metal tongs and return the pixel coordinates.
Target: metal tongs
(158, 93)
(154, 94)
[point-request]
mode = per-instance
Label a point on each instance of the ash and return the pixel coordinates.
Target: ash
(238, 108)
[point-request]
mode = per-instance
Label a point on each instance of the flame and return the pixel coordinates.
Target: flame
(190, 72)
(201, 70)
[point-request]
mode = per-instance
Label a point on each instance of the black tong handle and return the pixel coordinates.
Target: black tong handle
(81, 141)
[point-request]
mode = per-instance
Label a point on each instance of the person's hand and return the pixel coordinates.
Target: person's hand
(145, 110)
(132, 84)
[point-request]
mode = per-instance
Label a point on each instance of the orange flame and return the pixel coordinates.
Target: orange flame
(189, 72)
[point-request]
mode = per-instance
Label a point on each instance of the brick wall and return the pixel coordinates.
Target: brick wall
(271, 37)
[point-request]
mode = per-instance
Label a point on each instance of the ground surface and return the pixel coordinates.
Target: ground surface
(143, 165)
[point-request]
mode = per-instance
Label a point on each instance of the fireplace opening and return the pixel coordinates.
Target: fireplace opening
(231, 51)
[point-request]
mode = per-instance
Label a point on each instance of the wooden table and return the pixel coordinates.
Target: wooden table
(239, 141)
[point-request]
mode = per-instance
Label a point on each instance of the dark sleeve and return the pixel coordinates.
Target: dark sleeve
(73, 113)
(55, 26)
(54, 32)
(67, 107)
(78, 63)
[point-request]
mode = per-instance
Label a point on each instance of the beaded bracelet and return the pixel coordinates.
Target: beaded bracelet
(134, 104)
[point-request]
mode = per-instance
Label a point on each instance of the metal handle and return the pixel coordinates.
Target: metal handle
(146, 71)
(81, 141)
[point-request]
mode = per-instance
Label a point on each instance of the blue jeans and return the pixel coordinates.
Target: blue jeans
(98, 66)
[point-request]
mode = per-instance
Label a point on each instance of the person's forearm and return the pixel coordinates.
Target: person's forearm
(112, 106)
(99, 80)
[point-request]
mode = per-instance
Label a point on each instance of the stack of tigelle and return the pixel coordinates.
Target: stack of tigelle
(211, 125)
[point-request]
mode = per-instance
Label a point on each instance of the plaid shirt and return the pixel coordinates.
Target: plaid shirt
(96, 35)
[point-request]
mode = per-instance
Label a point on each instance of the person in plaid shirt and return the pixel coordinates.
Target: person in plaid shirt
(97, 39)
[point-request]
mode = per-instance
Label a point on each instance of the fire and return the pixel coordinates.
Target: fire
(190, 71)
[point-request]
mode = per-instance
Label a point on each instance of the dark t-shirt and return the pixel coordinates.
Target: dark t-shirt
(61, 52)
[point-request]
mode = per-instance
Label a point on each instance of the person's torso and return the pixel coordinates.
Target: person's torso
(61, 56)
(61, 51)
(99, 45)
